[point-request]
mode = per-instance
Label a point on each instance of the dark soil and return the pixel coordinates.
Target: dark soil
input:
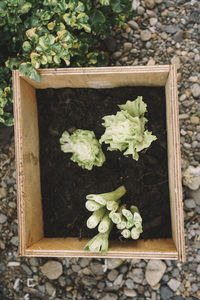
(65, 185)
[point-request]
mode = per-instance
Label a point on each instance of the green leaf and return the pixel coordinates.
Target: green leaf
(25, 8)
(26, 46)
(116, 6)
(104, 2)
(28, 70)
(97, 19)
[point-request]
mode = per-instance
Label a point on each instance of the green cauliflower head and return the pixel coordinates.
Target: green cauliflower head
(126, 129)
(85, 147)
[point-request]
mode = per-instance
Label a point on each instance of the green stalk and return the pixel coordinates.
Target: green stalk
(92, 205)
(134, 209)
(122, 225)
(99, 243)
(116, 217)
(135, 233)
(126, 233)
(96, 217)
(112, 205)
(110, 196)
(127, 214)
(105, 223)
(130, 224)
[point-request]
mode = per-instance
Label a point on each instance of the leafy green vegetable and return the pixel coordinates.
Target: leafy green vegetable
(126, 129)
(85, 147)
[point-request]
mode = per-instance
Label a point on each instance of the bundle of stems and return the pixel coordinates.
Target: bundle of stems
(107, 211)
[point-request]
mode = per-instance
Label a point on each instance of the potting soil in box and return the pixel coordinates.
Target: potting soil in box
(65, 185)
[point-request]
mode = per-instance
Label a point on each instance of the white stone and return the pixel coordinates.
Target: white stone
(135, 4)
(191, 177)
(145, 35)
(13, 264)
(174, 284)
(3, 218)
(52, 269)
(195, 89)
(113, 263)
(130, 293)
(3, 192)
(154, 271)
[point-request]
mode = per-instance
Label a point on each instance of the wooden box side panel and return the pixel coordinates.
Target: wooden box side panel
(105, 77)
(27, 162)
(65, 247)
(174, 163)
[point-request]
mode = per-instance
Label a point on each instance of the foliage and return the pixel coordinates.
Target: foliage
(126, 129)
(85, 147)
(5, 98)
(129, 222)
(56, 33)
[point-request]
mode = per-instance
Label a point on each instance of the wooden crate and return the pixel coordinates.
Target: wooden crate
(32, 241)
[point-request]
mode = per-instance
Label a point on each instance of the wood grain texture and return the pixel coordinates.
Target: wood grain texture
(174, 163)
(72, 247)
(104, 77)
(27, 162)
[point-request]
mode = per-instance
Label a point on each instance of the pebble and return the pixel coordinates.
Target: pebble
(26, 269)
(178, 36)
(97, 268)
(13, 264)
(113, 263)
(196, 196)
(145, 35)
(3, 192)
(118, 280)
(153, 21)
(166, 293)
(3, 219)
(190, 203)
(14, 240)
(174, 284)
(150, 3)
(110, 296)
(133, 25)
(154, 271)
(171, 29)
(195, 90)
(191, 177)
(112, 275)
(84, 262)
(129, 292)
(52, 269)
(127, 46)
(129, 283)
(117, 54)
(137, 275)
(89, 280)
(50, 289)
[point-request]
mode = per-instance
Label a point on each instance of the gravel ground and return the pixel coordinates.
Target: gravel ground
(163, 32)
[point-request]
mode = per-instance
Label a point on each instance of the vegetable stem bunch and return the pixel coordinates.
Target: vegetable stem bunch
(107, 212)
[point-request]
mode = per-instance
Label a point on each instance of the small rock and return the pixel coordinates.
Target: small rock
(178, 36)
(129, 283)
(3, 218)
(110, 296)
(34, 261)
(16, 284)
(84, 262)
(191, 177)
(97, 268)
(189, 203)
(113, 263)
(26, 269)
(145, 35)
(166, 293)
(175, 60)
(138, 275)
(150, 3)
(89, 281)
(50, 289)
(135, 4)
(127, 46)
(130, 293)
(174, 284)
(153, 21)
(151, 62)
(14, 240)
(171, 29)
(118, 280)
(158, 1)
(13, 264)
(3, 193)
(195, 89)
(154, 271)
(117, 54)
(196, 196)
(133, 25)
(112, 275)
(52, 269)
(140, 10)
(195, 17)
(198, 269)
